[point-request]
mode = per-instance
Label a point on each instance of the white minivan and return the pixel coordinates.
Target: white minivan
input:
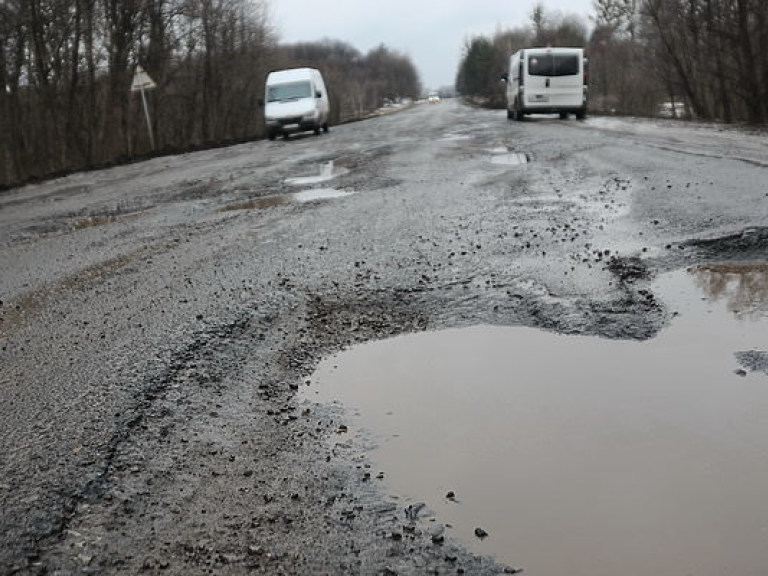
(547, 81)
(296, 101)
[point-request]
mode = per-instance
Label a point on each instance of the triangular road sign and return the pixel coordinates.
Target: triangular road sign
(142, 81)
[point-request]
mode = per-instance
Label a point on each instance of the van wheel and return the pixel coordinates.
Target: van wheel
(317, 130)
(286, 135)
(325, 127)
(271, 135)
(510, 114)
(563, 115)
(581, 114)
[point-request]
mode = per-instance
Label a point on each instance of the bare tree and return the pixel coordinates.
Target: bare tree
(621, 79)
(6, 171)
(478, 77)
(717, 50)
(619, 15)
(357, 83)
(66, 68)
(485, 59)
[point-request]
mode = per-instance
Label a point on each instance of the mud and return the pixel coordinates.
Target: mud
(148, 414)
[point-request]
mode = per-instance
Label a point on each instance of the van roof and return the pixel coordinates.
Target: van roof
(291, 75)
(553, 49)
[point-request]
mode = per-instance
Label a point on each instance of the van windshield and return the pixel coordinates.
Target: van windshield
(553, 65)
(289, 91)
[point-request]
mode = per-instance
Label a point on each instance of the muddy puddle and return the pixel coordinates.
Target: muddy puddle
(455, 137)
(282, 199)
(328, 171)
(579, 455)
(507, 157)
(92, 221)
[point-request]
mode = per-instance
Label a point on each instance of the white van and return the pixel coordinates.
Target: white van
(296, 101)
(547, 81)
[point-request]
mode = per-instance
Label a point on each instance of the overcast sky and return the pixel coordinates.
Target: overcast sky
(431, 32)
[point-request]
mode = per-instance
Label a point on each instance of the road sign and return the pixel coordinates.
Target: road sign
(142, 81)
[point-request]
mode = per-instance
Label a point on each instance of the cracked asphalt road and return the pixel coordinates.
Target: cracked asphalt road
(157, 319)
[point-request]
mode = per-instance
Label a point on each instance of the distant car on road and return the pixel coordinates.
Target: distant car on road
(433, 98)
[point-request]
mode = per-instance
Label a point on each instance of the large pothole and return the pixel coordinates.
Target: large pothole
(580, 455)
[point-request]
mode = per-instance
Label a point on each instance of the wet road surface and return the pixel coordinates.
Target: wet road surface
(158, 318)
(581, 455)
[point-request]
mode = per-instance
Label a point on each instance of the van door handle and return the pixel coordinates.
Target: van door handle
(547, 83)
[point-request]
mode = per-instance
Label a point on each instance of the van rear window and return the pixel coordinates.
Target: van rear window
(289, 91)
(553, 65)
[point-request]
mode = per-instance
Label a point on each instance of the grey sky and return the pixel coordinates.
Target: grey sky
(432, 33)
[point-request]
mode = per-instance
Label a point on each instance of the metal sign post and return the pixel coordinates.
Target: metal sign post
(142, 82)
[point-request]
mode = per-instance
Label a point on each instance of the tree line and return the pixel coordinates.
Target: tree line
(66, 68)
(708, 56)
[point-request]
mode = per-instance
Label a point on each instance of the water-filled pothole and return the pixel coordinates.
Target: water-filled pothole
(328, 171)
(509, 158)
(299, 197)
(580, 455)
(503, 155)
(455, 137)
(320, 194)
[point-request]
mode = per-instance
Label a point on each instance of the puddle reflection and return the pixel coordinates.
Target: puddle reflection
(455, 137)
(327, 172)
(744, 286)
(320, 194)
(510, 159)
(299, 197)
(578, 455)
(258, 203)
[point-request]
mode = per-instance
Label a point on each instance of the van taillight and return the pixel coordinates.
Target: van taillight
(586, 71)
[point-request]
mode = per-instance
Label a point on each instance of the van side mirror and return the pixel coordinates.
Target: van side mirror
(504, 77)
(318, 94)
